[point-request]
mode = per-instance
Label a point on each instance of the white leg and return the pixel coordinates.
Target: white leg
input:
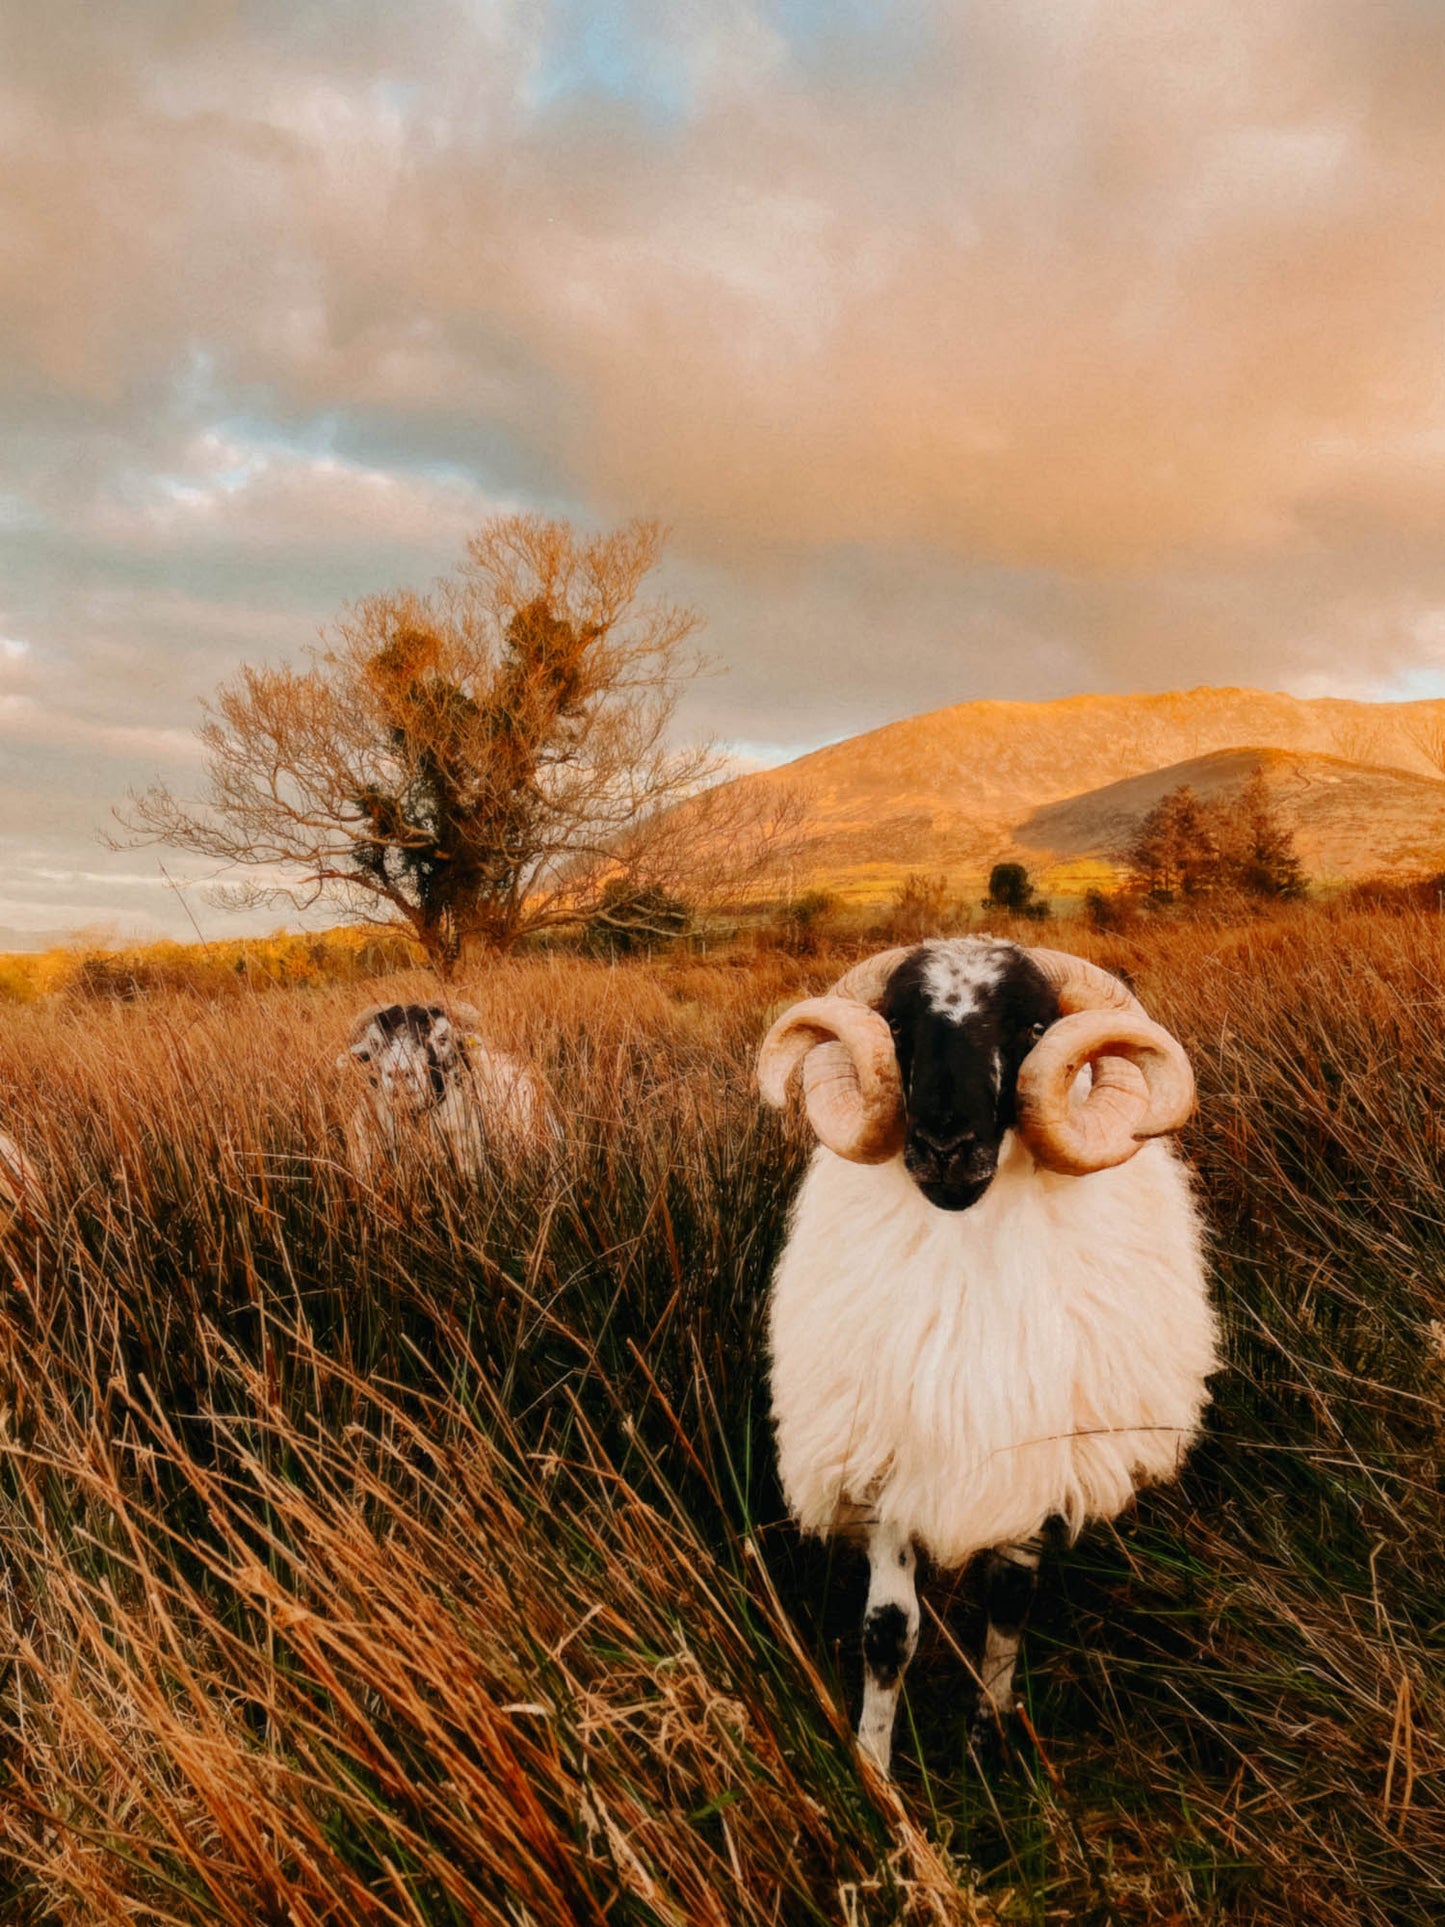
(890, 1633)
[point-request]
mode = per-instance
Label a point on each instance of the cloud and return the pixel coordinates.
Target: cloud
(229, 491)
(968, 350)
(24, 718)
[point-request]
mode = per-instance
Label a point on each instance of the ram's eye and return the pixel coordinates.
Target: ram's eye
(1037, 1030)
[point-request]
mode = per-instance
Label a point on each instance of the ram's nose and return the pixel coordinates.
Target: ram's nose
(949, 1164)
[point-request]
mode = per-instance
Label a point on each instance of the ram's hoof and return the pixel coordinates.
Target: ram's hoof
(994, 1741)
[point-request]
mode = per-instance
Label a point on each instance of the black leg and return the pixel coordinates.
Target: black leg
(1010, 1574)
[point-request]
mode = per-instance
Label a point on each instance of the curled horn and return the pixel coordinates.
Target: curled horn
(850, 1072)
(1143, 1085)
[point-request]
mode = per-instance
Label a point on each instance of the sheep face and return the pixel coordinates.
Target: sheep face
(411, 1053)
(963, 1019)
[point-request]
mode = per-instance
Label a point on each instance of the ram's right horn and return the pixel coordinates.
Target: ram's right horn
(850, 1075)
(1143, 1085)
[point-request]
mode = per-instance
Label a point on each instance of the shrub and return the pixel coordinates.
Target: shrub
(921, 908)
(1110, 910)
(1395, 895)
(800, 926)
(1011, 889)
(18, 982)
(632, 918)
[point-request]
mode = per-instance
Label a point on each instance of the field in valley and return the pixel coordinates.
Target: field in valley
(413, 1553)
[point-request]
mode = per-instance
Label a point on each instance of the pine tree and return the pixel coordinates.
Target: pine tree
(1175, 851)
(1261, 857)
(1188, 848)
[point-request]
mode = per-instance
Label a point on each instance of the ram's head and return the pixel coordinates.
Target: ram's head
(935, 1052)
(411, 1052)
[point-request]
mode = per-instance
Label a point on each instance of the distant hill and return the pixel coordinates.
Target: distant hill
(1059, 785)
(1349, 819)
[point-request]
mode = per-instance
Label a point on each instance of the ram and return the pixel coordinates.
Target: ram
(432, 1079)
(990, 1311)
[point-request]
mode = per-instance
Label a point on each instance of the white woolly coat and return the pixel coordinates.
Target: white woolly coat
(965, 1375)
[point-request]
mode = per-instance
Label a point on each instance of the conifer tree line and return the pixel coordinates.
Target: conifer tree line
(1190, 847)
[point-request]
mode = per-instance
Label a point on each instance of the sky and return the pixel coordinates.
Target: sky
(1010, 349)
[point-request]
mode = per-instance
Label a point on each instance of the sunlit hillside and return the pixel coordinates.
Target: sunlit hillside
(959, 789)
(1348, 819)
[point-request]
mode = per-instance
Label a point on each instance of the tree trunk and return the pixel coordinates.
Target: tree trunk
(439, 952)
(481, 947)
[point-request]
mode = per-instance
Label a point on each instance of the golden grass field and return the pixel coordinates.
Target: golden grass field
(413, 1553)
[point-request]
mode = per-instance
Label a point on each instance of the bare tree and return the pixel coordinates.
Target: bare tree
(476, 763)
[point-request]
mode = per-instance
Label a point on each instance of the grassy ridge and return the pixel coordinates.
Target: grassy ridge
(99, 969)
(414, 1554)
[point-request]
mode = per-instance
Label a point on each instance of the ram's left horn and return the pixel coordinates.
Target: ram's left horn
(1143, 1085)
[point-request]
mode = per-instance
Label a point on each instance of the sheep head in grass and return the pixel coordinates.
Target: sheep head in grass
(412, 1052)
(431, 1075)
(937, 1050)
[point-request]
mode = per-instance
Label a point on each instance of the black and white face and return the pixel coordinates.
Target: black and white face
(964, 1015)
(410, 1052)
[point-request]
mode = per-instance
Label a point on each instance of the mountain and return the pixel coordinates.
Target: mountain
(1059, 785)
(1349, 819)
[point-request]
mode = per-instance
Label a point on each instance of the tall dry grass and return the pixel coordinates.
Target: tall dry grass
(413, 1553)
